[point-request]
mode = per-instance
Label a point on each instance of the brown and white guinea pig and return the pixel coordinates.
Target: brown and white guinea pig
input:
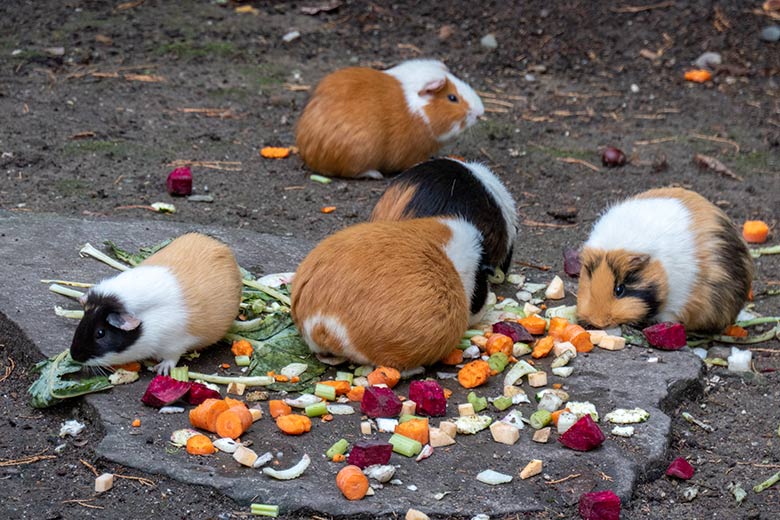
(665, 255)
(449, 187)
(182, 298)
(388, 293)
(362, 122)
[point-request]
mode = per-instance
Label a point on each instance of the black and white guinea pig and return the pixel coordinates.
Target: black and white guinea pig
(665, 255)
(182, 298)
(388, 293)
(469, 190)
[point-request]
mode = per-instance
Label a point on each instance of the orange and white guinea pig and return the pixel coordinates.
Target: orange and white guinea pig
(362, 122)
(665, 255)
(388, 293)
(449, 187)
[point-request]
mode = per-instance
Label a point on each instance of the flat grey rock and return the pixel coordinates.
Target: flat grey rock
(37, 247)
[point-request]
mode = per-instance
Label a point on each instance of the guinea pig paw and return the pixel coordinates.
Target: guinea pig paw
(163, 368)
(329, 359)
(370, 174)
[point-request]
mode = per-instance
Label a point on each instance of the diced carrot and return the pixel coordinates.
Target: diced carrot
(352, 483)
(416, 429)
(234, 421)
(225, 365)
(447, 393)
(339, 457)
(136, 423)
(557, 326)
(735, 331)
(533, 324)
(474, 373)
(556, 414)
(281, 378)
(293, 424)
(755, 231)
(242, 347)
(204, 416)
(133, 366)
(200, 445)
(275, 152)
(295, 379)
(328, 209)
(455, 357)
(557, 386)
(277, 407)
(384, 375)
(698, 75)
(499, 343)
(341, 387)
(578, 337)
(355, 393)
(542, 347)
(327, 417)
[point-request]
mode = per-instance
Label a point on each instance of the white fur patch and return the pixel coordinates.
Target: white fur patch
(336, 329)
(661, 228)
(454, 130)
(153, 295)
(468, 94)
(464, 251)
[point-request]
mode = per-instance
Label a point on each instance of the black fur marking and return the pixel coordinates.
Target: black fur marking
(592, 265)
(480, 291)
(86, 344)
(634, 288)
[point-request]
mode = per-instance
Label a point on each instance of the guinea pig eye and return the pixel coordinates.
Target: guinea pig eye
(100, 333)
(620, 290)
(453, 98)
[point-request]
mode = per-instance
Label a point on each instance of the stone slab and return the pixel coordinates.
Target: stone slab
(36, 247)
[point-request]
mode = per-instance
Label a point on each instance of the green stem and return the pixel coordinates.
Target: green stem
(71, 284)
(758, 321)
(67, 313)
(89, 250)
(268, 290)
(772, 250)
(771, 481)
(766, 336)
(66, 291)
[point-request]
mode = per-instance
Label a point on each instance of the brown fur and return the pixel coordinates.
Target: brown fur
(358, 120)
(211, 285)
(391, 286)
(394, 203)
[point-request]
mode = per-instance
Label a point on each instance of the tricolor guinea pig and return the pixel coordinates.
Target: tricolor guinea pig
(362, 122)
(388, 293)
(448, 187)
(182, 298)
(665, 255)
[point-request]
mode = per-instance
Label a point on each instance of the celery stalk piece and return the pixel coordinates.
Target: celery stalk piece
(89, 250)
(338, 448)
(325, 391)
(65, 291)
(264, 510)
(242, 361)
(363, 370)
(345, 376)
(498, 362)
(316, 409)
(320, 178)
(180, 373)
(404, 445)
(503, 402)
(83, 285)
(268, 290)
(226, 380)
(479, 403)
(771, 481)
(68, 313)
(464, 344)
(473, 332)
(540, 418)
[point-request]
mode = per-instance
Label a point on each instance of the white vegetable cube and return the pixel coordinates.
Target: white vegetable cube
(449, 428)
(512, 390)
(612, 343)
(549, 402)
(542, 435)
(504, 433)
(480, 341)
(555, 290)
(562, 346)
(414, 514)
(739, 360)
(257, 414)
(104, 482)
(365, 427)
(532, 468)
(408, 407)
(537, 379)
(236, 388)
(596, 335)
(437, 438)
(245, 456)
(466, 409)
(562, 371)
(530, 309)
(565, 421)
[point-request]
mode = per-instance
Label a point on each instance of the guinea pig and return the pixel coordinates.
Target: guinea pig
(182, 298)
(449, 187)
(665, 255)
(388, 293)
(362, 122)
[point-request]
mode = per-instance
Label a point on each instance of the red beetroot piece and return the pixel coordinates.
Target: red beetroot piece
(429, 396)
(164, 390)
(200, 392)
(666, 336)
(514, 330)
(680, 468)
(367, 453)
(571, 262)
(584, 435)
(612, 157)
(380, 402)
(180, 181)
(600, 505)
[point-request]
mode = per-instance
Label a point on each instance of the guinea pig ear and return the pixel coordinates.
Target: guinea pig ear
(433, 86)
(123, 321)
(637, 262)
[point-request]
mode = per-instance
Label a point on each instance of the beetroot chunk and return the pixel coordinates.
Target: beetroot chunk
(379, 401)
(514, 330)
(429, 396)
(666, 335)
(584, 435)
(600, 505)
(180, 181)
(680, 468)
(200, 392)
(367, 453)
(571, 262)
(164, 390)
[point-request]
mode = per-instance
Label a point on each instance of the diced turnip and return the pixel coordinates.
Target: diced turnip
(200, 392)
(365, 427)
(680, 468)
(408, 407)
(531, 469)
(739, 360)
(380, 472)
(380, 402)
(600, 505)
(437, 438)
(236, 388)
(530, 309)
(179, 181)
(537, 379)
(562, 371)
(565, 421)
(549, 402)
(571, 262)
(596, 335)
(415, 514)
(449, 428)
(386, 424)
(504, 433)
(514, 330)
(666, 336)
(584, 435)
(493, 477)
(104, 482)
(555, 290)
(245, 456)
(542, 435)
(226, 444)
(164, 390)
(563, 346)
(367, 453)
(429, 396)
(612, 342)
(257, 414)
(466, 409)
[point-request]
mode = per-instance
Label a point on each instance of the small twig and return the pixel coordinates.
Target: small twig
(717, 140)
(655, 141)
(691, 419)
(410, 47)
(640, 8)
(82, 502)
(136, 206)
(90, 466)
(757, 465)
(297, 88)
(572, 160)
(8, 369)
(606, 477)
(490, 110)
(27, 460)
(564, 479)
(231, 166)
(533, 266)
(535, 223)
(484, 152)
(499, 102)
(144, 481)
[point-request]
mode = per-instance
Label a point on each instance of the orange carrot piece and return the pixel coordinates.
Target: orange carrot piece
(277, 408)
(327, 417)
(384, 375)
(533, 324)
(275, 152)
(557, 386)
(352, 483)
(200, 445)
(542, 347)
(499, 343)
(416, 429)
(578, 337)
(204, 416)
(293, 424)
(698, 75)
(295, 379)
(556, 414)
(234, 421)
(339, 457)
(755, 231)
(474, 373)
(133, 366)
(735, 331)
(242, 347)
(234, 402)
(280, 378)
(225, 365)
(341, 387)
(557, 327)
(355, 393)
(455, 357)
(136, 423)
(447, 393)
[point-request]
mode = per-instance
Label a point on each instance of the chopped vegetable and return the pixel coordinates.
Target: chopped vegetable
(277, 407)
(290, 473)
(755, 231)
(179, 437)
(502, 402)
(680, 468)
(368, 453)
(623, 431)
(133, 366)
(275, 152)
(303, 400)
(504, 433)
(584, 435)
(571, 262)
(340, 409)
(557, 327)
(612, 157)
(416, 429)
(698, 75)
(625, 416)
(242, 347)
(565, 421)
(471, 424)
(226, 444)
(338, 448)
(104, 482)
(474, 373)
(520, 369)
(355, 393)
(537, 379)
(540, 418)
(599, 505)
(514, 330)
(404, 445)
(550, 401)
(325, 391)
(380, 402)
(493, 478)
(499, 343)
(580, 408)
(554, 415)
(455, 357)
(466, 409)
(555, 290)
(200, 445)
(122, 377)
(437, 438)
(200, 392)
(234, 421)
(352, 483)
(666, 335)
(205, 415)
(771, 481)
(384, 375)
(264, 509)
(534, 324)
(612, 342)
(531, 469)
(542, 347)
(429, 396)
(316, 409)
(578, 336)
(136, 423)
(293, 424)
(449, 427)
(562, 371)
(179, 181)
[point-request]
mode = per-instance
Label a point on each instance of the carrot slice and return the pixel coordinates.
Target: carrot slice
(352, 483)
(542, 347)
(533, 324)
(341, 387)
(293, 424)
(557, 327)
(234, 421)
(355, 394)
(474, 373)
(455, 357)
(735, 331)
(242, 347)
(499, 343)
(698, 75)
(384, 375)
(578, 337)
(200, 445)
(755, 231)
(416, 429)
(277, 408)
(133, 366)
(204, 416)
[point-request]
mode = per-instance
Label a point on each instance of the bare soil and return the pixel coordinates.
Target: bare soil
(96, 100)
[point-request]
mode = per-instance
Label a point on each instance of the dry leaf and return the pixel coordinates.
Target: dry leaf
(146, 78)
(101, 38)
(715, 165)
(83, 135)
(129, 5)
(328, 209)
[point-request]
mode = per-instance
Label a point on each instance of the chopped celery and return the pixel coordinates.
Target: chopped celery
(503, 402)
(408, 417)
(540, 418)
(226, 380)
(325, 391)
(404, 445)
(479, 403)
(464, 344)
(338, 448)
(345, 376)
(180, 374)
(242, 361)
(520, 369)
(363, 370)
(473, 332)
(264, 510)
(498, 362)
(316, 409)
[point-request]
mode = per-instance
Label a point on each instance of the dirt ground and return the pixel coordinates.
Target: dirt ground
(96, 101)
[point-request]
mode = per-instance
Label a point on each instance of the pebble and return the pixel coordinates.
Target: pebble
(290, 36)
(634, 88)
(770, 33)
(708, 60)
(489, 41)
(530, 77)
